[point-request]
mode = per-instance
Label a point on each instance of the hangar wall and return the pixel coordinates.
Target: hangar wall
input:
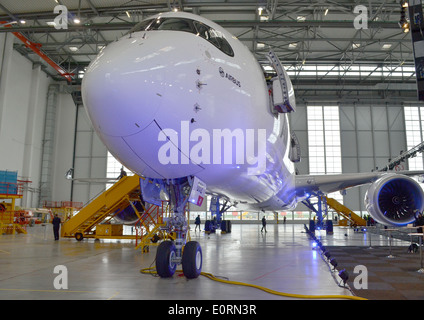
(63, 146)
(371, 133)
(370, 136)
(23, 91)
(90, 159)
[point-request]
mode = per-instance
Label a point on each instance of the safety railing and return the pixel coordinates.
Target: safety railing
(13, 221)
(11, 189)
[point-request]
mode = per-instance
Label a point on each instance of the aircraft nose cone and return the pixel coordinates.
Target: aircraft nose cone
(123, 86)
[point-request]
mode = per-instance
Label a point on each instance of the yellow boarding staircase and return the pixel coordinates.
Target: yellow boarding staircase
(346, 213)
(103, 208)
(92, 220)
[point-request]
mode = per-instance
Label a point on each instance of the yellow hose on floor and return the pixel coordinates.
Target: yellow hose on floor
(152, 270)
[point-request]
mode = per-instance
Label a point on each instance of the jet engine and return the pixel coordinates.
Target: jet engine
(394, 200)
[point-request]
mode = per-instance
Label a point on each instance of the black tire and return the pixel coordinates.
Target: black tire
(164, 265)
(192, 260)
(226, 226)
(79, 236)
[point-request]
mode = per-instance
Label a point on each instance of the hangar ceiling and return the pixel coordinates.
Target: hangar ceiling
(315, 40)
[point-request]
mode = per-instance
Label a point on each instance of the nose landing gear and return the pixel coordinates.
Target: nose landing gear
(170, 254)
(167, 259)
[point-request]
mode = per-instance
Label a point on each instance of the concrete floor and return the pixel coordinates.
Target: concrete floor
(281, 259)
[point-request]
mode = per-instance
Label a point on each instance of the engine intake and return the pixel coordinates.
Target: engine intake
(394, 200)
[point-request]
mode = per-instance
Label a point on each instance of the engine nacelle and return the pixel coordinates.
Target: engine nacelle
(128, 215)
(394, 200)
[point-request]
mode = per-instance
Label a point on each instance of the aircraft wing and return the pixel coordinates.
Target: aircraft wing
(327, 183)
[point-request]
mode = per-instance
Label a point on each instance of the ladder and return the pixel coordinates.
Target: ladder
(103, 208)
(149, 227)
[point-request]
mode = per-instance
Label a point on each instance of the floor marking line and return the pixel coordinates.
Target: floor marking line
(264, 275)
(113, 296)
(39, 290)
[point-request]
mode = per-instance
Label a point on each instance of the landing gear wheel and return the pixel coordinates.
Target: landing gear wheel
(165, 267)
(192, 260)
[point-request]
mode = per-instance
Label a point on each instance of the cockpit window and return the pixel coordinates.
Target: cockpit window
(187, 25)
(175, 24)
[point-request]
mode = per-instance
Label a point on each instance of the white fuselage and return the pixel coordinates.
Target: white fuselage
(169, 104)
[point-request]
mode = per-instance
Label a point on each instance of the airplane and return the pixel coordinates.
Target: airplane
(184, 104)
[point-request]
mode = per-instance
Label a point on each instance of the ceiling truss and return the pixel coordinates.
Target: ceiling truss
(302, 32)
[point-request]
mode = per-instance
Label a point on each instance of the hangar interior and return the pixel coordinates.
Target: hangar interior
(356, 91)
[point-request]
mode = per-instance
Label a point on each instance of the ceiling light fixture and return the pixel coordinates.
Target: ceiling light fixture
(260, 9)
(403, 22)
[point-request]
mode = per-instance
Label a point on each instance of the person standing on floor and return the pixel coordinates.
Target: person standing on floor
(263, 224)
(56, 225)
(197, 223)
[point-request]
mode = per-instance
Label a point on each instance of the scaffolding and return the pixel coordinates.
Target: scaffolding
(11, 220)
(153, 226)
